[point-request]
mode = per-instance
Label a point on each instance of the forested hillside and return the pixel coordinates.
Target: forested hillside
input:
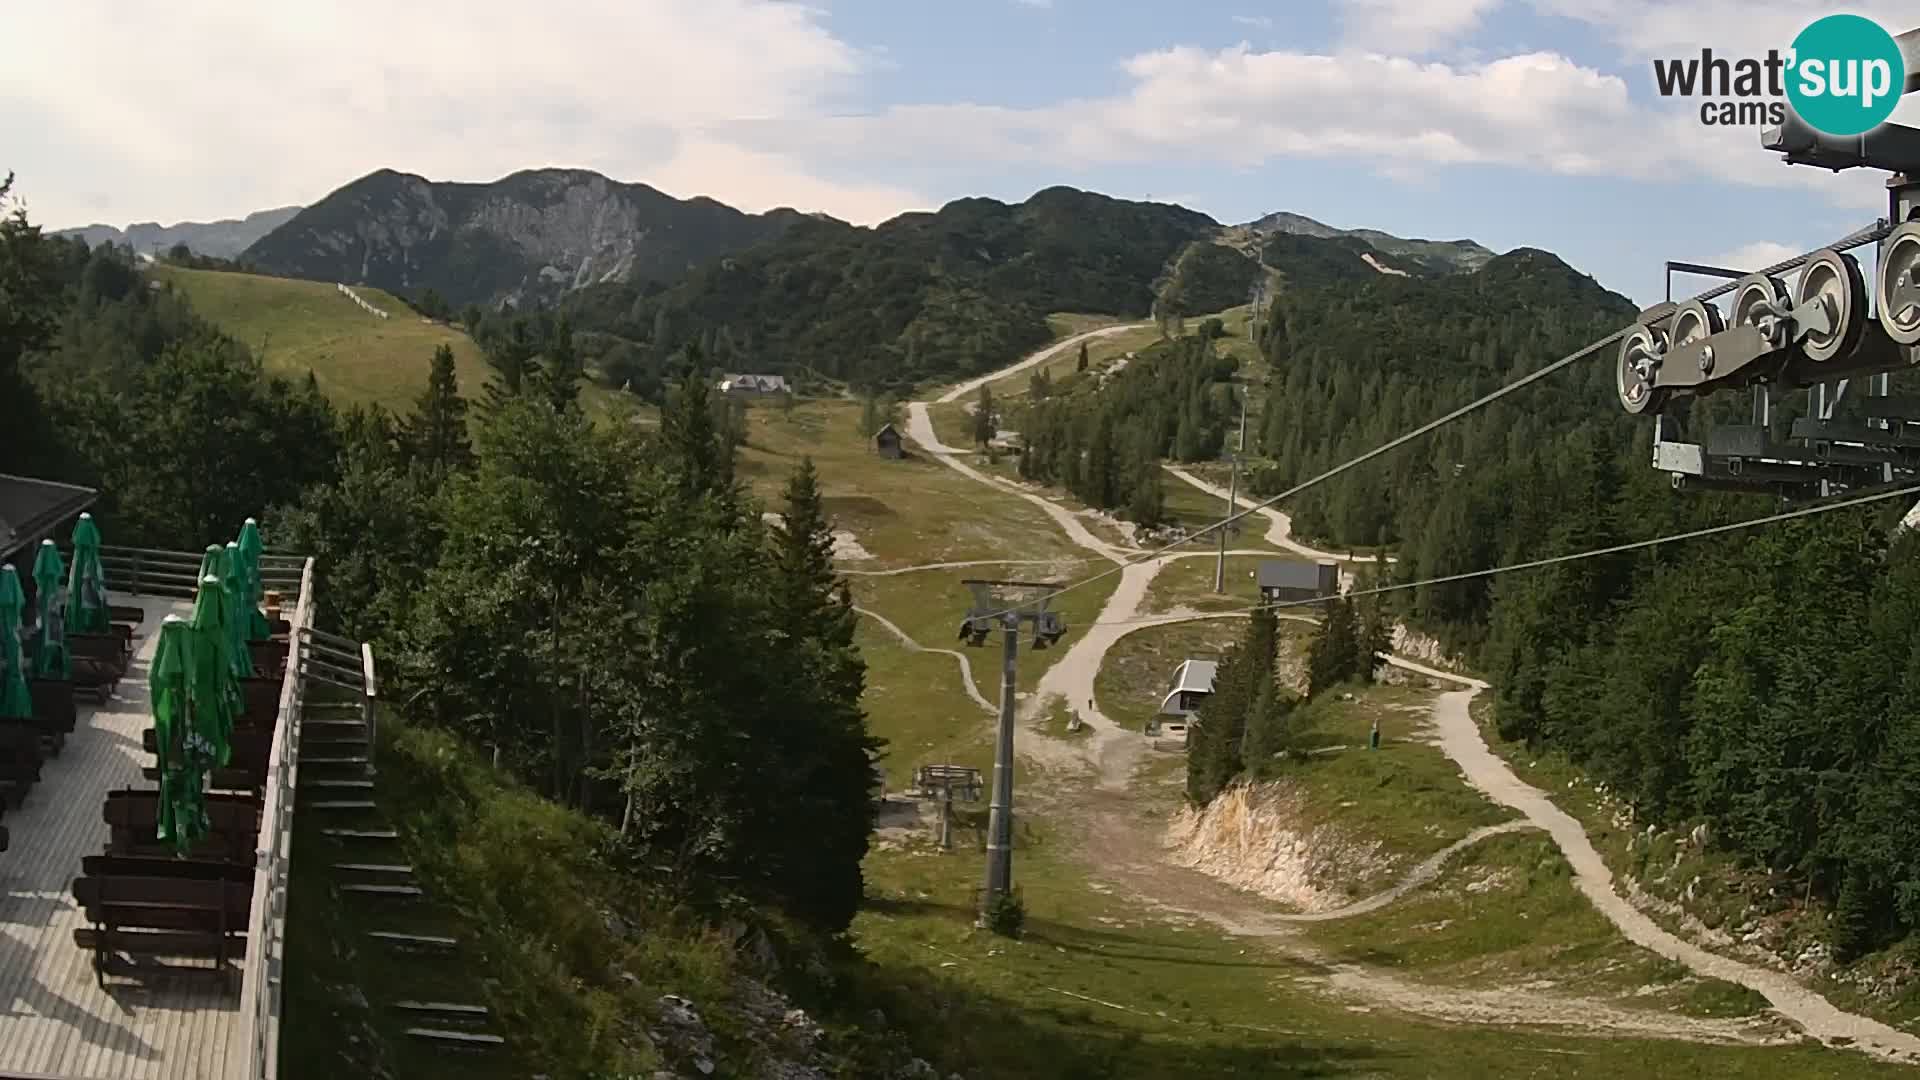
(1761, 682)
(923, 296)
(717, 735)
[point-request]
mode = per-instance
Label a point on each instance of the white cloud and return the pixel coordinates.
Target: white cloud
(1411, 27)
(206, 108)
(1753, 256)
(1240, 107)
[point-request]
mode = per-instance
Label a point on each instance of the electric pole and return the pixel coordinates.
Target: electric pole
(1006, 605)
(1233, 485)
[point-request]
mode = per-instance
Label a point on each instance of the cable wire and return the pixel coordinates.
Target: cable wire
(1535, 564)
(1864, 235)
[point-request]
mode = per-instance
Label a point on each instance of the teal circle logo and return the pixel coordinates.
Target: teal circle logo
(1846, 75)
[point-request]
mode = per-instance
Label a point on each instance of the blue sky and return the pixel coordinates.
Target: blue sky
(1512, 122)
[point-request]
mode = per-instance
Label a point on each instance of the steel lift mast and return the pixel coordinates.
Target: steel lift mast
(1820, 336)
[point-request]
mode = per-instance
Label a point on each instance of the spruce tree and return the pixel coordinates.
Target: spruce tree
(697, 456)
(563, 367)
(1333, 657)
(983, 418)
(820, 810)
(436, 433)
(511, 355)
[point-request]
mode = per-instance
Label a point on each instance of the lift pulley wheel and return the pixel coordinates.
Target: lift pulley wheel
(1640, 352)
(1897, 289)
(1834, 281)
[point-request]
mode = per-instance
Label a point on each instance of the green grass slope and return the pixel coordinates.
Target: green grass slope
(300, 326)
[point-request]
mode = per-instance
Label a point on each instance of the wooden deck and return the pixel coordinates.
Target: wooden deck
(55, 1021)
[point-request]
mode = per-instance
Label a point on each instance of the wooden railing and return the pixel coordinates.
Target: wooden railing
(154, 572)
(263, 978)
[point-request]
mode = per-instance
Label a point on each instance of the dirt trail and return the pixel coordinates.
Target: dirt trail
(1115, 837)
(1461, 740)
(966, 667)
(960, 566)
(920, 430)
(1279, 525)
(1041, 357)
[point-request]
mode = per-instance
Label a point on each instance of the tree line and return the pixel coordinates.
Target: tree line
(1105, 444)
(1760, 682)
(600, 607)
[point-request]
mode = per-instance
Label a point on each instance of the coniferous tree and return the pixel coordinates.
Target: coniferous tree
(983, 428)
(825, 812)
(512, 355)
(1080, 364)
(563, 369)
(1333, 657)
(436, 433)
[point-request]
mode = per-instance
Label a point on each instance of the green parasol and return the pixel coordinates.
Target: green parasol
(213, 690)
(15, 702)
(236, 585)
(86, 581)
(51, 660)
(250, 548)
(182, 757)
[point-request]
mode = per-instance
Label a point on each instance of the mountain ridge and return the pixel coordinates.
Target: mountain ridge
(529, 236)
(225, 238)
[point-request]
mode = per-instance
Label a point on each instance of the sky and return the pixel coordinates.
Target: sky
(1510, 122)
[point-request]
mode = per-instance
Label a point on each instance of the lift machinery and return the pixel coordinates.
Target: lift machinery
(1838, 330)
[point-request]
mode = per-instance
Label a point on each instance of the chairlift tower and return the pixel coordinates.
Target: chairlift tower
(1006, 606)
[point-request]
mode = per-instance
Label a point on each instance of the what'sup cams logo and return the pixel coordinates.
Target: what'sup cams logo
(1842, 76)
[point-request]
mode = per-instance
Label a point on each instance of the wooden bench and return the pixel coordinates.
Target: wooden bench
(249, 746)
(53, 704)
(99, 661)
(130, 614)
(157, 866)
(133, 816)
(20, 760)
(178, 914)
(269, 657)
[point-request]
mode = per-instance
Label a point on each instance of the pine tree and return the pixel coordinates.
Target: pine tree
(819, 804)
(563, 368)
(436, 433)
(1147, 505)
(697, 455)
(1080, 364)
(983, 428)
(511, 356)
(1333, 657)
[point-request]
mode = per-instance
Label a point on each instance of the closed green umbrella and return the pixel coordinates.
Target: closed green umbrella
(51, 660)
(213, 690)
(237, 622)
(86, 582)
(250, 548)
(181, 754)
(15, 702)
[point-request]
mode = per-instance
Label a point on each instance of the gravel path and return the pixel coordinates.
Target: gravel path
(1279, 525)
(1115, 752)
(966, 667)
(1461, 740)
(1041, 357)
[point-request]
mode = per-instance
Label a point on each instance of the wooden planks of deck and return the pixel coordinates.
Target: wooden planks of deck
(55, 1021)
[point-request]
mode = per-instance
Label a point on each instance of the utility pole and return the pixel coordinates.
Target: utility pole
(1006, 605)
(1233, 485)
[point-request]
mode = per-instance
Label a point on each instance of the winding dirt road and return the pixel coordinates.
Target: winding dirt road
(1279, 525)
(966, 666)
(1041, 357)
(1114, 752)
